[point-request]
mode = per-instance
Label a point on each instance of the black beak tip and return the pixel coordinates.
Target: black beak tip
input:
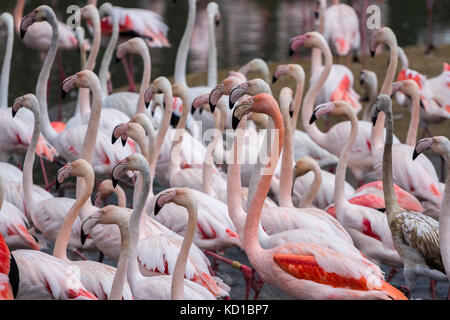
(83, 237)
(57, 184)
(235, 122)
(157, 209)
(211, 106)
(113, 139)
(372, 53)
(124, 142)
(13, 112)
(291, 52)
(415, 154)
(274, 79)
(374, 121)
(117, 60)
(63, 94)
(114, 182)
(212, 109)
(147, 104)
(22, 33)
(217, 23)
(316, 15)
(291, 113)
(313, 118)
(193, 110)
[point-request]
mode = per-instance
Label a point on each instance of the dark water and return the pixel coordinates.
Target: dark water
(248, 29)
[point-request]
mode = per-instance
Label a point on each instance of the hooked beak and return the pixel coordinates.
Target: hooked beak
(313, 118)
(87, 225)
(26, 22)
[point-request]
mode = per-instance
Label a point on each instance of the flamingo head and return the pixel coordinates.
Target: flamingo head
(135, 45)
(28, 101)
(200, 102)
(179, 196)
(90, 12)
(237, 92)
(213, 12)
(368, 78)
(120, 131)
(82, 79)
(134, 162)
(255, 65)
(303, 166)
(238, 74)
(383, 103)
(438, 144)
(77, 168)
(38, 14)
(216, 93)
(286, 101)
(149, 94)
(381, 36)
(336, 108)
(241, 110)
(309, 40)
(408, 87)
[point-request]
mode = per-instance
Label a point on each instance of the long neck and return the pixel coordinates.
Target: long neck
(4, 81)
(82, 99)
(316, 54)
(27, 177)
(207, 168)
(444, 219)
(121, 276)
(63, 237)
(411, 136)
(107, 56)
(339, 182)
(212, 53)
(90, 138)
(134, 230)
(310, 195)
(285, 195)
(41, 88)
(183, 49)
(177, 289)
(234, 189)
(144, 53)
(164, 126)
(372, 97)
(18, 14)
(377, 131)
(252, 222)
(388, 184)
(297, 102)
(308, 102)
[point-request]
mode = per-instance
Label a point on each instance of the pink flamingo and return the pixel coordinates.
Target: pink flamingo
(360, 162)
(303, 270)
(156, 287)
(418, 177)
(367, 226)
(337, 29)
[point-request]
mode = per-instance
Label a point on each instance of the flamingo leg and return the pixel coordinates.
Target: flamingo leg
(78, 253)
(433, 289)
(392, 273)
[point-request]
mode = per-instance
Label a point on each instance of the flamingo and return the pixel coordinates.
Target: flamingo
(367, 226)
(68, 142)
(440, 145)
(341, 27)
(156, 287)
(415, 235)
(418, 177)
(105, 189)
(339, 84)
(305, 271)
(369, 81)
(434, 93)
(360, 162)
(15, 139)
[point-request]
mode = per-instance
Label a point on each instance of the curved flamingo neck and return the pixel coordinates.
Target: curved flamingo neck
(183, 49)
(145, 54)
(300, 80)
(285, 194)
(377, 130)
(6, 67)
(62, 240)
(212, 53)
(308, 102)
(316, 54)
(27, 177)
(120, 275)
(41, 88)
(311, 193)
(390, 198)
(107, 56)
(252, 222)
(207, 167)
(339, 182)
(133, 273)
(177, 288)
(411, 136)
(18, 14)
